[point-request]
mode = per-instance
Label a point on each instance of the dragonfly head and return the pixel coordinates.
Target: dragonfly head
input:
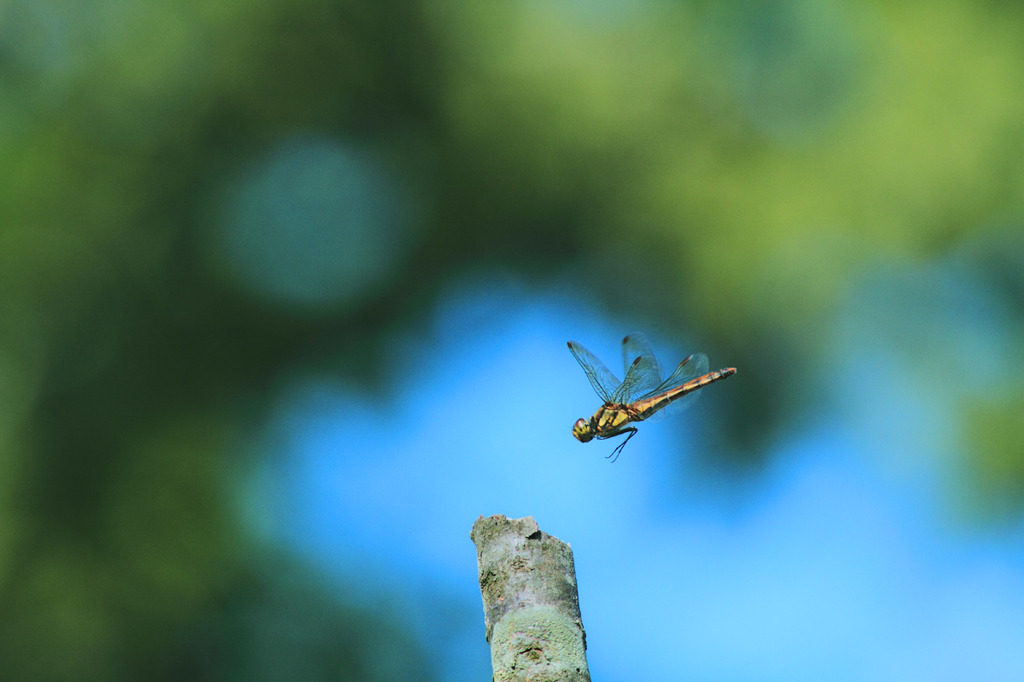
(583, 430)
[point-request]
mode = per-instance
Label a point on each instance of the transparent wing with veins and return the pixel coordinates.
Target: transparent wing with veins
(605, 383)
(634, 346)
(643, 373)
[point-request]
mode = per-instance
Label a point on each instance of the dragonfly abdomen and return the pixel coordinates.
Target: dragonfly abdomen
(648, 406)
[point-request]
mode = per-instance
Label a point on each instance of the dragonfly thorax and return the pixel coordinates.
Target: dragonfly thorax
(582, 430)
(609, 420)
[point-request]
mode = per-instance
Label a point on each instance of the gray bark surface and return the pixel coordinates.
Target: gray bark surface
(531, 605)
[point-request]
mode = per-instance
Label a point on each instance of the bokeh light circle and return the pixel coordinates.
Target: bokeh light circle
(317, 223)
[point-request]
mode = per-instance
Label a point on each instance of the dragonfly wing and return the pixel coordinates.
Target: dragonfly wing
(634, 346)
(604, 382)
(643, 374)
(692, 367)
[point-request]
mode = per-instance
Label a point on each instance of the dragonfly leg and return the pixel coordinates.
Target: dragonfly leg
(618, 448)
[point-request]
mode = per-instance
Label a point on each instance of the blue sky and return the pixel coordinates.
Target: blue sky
(839, 562)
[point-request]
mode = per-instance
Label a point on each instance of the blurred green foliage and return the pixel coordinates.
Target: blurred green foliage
(733, 167)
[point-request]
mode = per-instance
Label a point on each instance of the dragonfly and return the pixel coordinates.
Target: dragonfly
(642, 394)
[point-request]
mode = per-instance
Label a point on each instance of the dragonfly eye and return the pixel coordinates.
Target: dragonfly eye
(582, 431)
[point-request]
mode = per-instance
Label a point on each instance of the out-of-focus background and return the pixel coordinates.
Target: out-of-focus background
(285, 290)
